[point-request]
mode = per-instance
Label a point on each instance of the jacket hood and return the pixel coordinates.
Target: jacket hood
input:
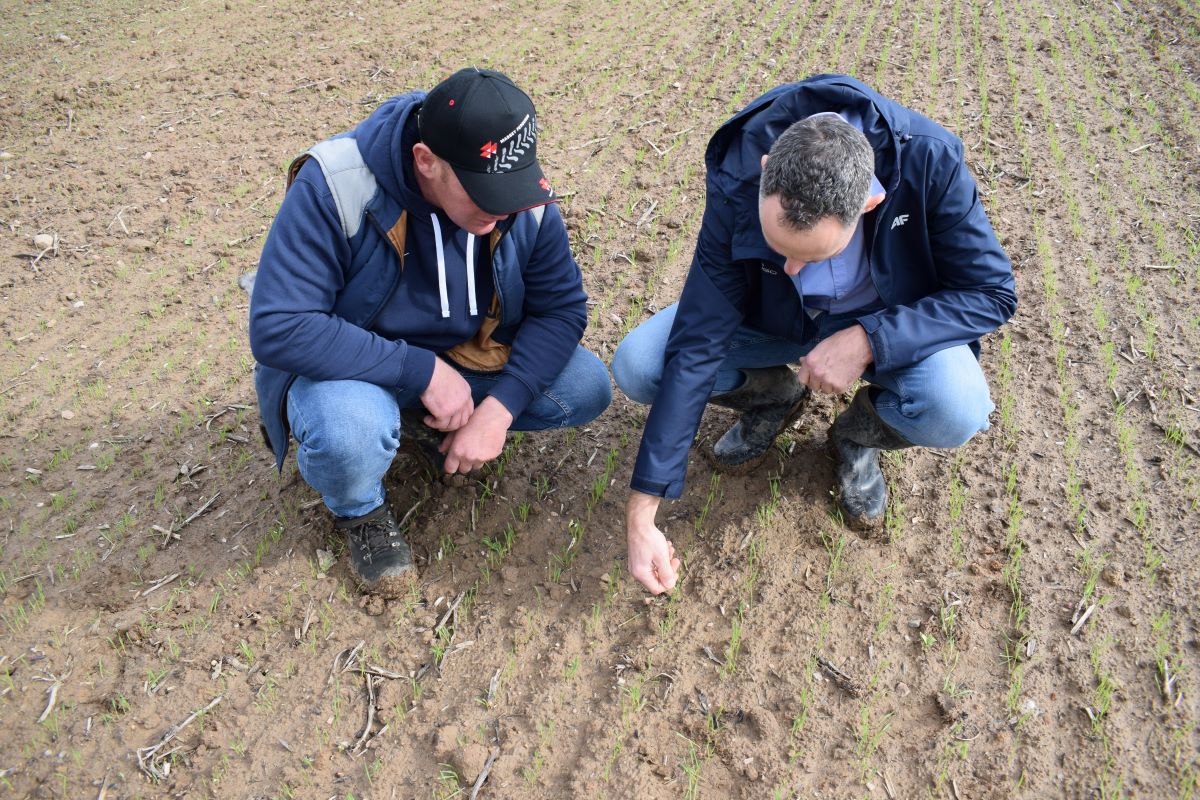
(385, 140)
(736, 158)
(734, 154)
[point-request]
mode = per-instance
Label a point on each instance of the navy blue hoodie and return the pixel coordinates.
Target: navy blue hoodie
(330, 307)
(935, 261)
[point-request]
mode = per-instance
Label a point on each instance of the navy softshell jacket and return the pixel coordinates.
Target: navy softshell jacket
(940, 271)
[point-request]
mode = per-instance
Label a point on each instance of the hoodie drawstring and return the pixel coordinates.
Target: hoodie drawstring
(471, 273)
(441, 261)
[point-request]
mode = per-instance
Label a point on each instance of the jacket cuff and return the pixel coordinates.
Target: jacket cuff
(882, 361)
(667, 491)
(513, 394)
(417, 371)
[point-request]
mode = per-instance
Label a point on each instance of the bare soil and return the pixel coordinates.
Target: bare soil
(1025, 627)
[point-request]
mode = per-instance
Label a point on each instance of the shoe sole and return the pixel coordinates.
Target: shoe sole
(391, 587)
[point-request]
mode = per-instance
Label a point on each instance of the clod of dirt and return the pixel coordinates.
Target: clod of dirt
(373, 604)
(763, 724)
(43, 241)
(139, 245)
(471, 760)
(951, 708)
(6, 156)
(325, 560)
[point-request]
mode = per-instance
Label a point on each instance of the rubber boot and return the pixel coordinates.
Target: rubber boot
(857, 436)
(770, 400)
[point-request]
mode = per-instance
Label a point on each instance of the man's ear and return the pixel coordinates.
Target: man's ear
(762, 162)
(872, 202)
(425, 160)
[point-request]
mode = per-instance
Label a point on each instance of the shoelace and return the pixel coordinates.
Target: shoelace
(376, 537)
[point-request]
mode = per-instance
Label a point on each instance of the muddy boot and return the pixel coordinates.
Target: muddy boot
(857, 436)
(770, 399)
(427, 440)
(379, 557)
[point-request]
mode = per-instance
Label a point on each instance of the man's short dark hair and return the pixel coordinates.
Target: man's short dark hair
(820, 167)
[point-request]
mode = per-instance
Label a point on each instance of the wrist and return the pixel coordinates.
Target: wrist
(640, 507)
(868, 353)
(494, 411)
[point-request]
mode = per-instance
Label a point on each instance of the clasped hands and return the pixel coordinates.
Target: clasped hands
(474, 434)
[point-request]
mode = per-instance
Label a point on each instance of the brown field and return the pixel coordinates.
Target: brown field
(1026, 627)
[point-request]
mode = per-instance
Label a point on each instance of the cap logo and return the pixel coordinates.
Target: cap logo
(514, 145)
(488, 150)
(545, 184)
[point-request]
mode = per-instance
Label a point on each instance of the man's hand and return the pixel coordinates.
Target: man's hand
(447, 397)
(480, 440)
(837, 362)
(651, 557)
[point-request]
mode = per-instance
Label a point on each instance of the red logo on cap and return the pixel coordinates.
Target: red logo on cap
(545, 184)
(488, 150)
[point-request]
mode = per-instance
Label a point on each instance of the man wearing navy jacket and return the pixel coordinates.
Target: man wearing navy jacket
(842, 232)
(418, 276)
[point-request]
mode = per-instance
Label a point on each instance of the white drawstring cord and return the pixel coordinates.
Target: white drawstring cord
(471, 273)
(441, 259)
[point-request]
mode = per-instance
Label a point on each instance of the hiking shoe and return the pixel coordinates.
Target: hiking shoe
(379, 557)
(770, 400)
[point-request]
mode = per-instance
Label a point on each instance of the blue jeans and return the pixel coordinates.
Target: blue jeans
(941, 401)
(347, 432)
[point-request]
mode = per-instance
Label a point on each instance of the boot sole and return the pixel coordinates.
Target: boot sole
(391, 587)
(746, 467)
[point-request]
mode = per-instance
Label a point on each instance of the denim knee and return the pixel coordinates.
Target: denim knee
(595, 392)
(954, 426)
(346, 426)
(578, 395)
(941, 401)
(354, 436)
(635, 374)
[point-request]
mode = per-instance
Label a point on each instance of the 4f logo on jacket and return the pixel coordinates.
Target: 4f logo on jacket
(899, 220)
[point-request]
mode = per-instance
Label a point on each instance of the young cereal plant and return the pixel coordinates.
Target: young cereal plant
(714, 487)
(449, 785)
(1102, 695)
(868, 735)
(835, 546)
(692, 766)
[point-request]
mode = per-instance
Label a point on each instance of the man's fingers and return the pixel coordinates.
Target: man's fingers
(647, 578)
(666, 576)
(803, 375)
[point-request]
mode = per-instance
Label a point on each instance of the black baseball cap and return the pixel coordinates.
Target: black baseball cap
(479, 122)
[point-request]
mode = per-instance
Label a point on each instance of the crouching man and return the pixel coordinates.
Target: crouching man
(842, 233)
(418, 281)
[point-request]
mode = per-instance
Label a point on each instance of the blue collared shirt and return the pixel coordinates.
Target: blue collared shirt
(842, 283)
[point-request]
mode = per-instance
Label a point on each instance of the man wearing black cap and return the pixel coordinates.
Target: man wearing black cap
(418, 279)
